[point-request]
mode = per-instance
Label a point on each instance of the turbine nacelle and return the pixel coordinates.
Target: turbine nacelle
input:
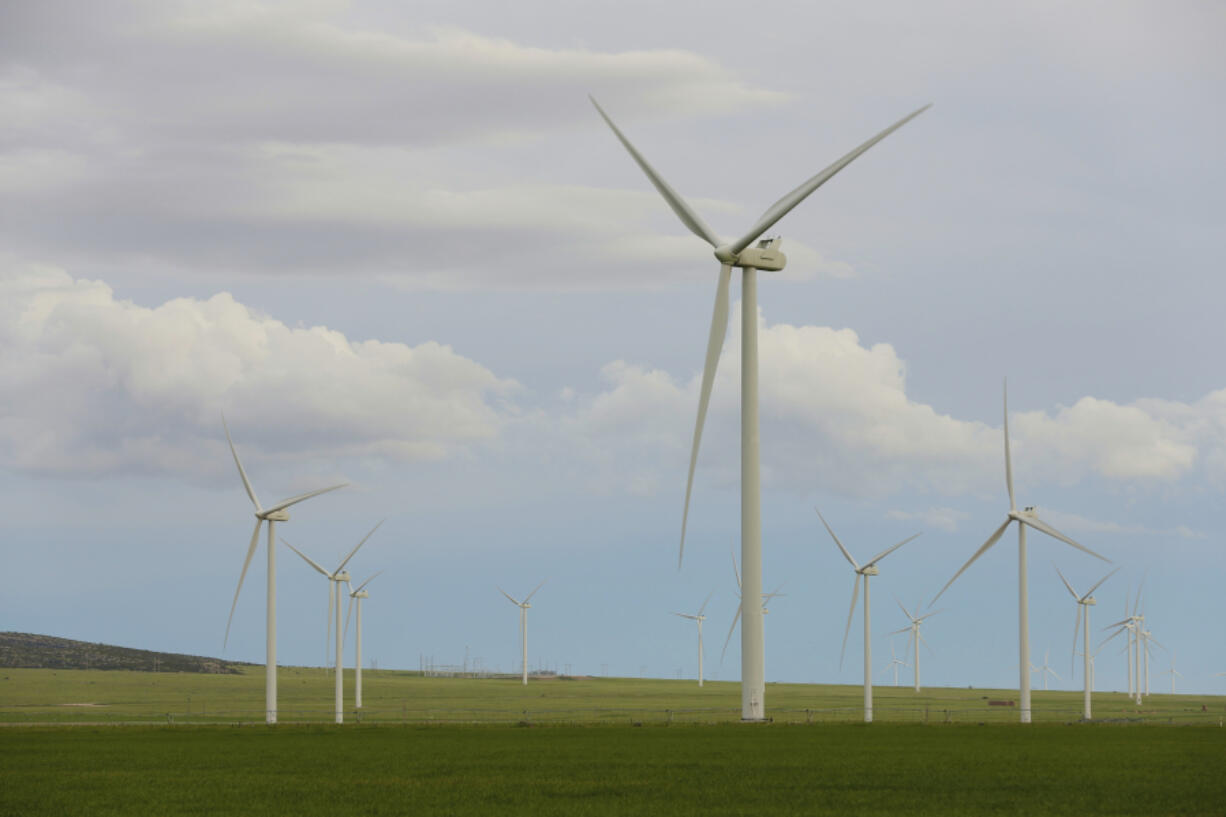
(341, 576)
(765, 255)
(274, 516)
(868, 570)
(1089, 601)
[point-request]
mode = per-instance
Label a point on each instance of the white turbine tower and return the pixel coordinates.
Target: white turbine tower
(916, 637)
(335, 578)
(1146, 639)
(698, 618)
(862, 572)
(1082, 627)
(523, 622)
(277, 513)
(1024, 517)
(357, 596)
(895, 663)
(765, 255)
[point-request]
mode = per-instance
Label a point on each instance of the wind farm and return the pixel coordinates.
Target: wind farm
(457, 261)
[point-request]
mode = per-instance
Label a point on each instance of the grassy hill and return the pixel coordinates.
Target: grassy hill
(26, 650)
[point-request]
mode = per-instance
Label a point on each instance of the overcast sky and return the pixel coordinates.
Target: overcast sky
(398, 247)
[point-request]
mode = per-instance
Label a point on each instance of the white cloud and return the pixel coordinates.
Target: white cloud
(836, 416)
(96, 385)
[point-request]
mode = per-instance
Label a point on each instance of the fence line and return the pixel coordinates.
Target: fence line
(13, 716)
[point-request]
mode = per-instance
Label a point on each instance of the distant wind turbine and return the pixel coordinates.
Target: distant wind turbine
(916, 637)
(277, 513)
(862, 572)
(1174, 673)
(1046, 669)
(895, 663)
(765, 255)
(523, 622)
(1082, 626)
(740, 605)
(357, 596)
(335, 578)
(1025, 517)
(698, 618)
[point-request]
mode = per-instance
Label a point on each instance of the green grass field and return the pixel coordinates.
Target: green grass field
(482, 746)
(305, 695)
(773, 769)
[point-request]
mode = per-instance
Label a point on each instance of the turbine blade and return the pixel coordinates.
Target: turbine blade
(363, 584)
(679, 205)
(331, 602)
(924, 641)
(781, 208)
(993, 539)
(704, 603)
(1008, 456)
(686, 615)
(241, 471)
(900, 630)
(888, 551)
(533, 593)
(294, 500)
(904, 609)
(1040, 525)
(715, 345)
(348, 610)
(358, 545)
(929, 615)
(1099, 584)
(307, 559)
(1072, 661)
(508, 595)
(255, 541)
(1071, 591)
(846, 555)
(731, 629)
(1103, 643)
(1136, 604)
(855, 596)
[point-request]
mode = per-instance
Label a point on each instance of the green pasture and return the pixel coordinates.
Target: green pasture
(389, 696)
(724, 769)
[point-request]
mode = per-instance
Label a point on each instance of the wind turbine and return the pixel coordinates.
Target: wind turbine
(277, 513)
(523, 621)
(914, 629)
(1131, 624)
(357, 595)
(1146, 637)
(895, 663)
(699, 618)
(1024, 517)
(862, 572)
(1082, 625)
(1045, 670)
(740, 606)
(1174, 673)
(335, 578)
(765, 255)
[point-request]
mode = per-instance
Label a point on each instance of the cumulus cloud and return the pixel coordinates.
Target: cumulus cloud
(836, 416)
(95, 385)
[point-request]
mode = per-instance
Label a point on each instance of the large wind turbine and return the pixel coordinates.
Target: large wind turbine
(523, 621)
(865, 571)
(357, 595)
(1024, 517)
(914, 629)
(1082, 628)
(277, 513)
(335, 578)
(765, 255)
(698, 618)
